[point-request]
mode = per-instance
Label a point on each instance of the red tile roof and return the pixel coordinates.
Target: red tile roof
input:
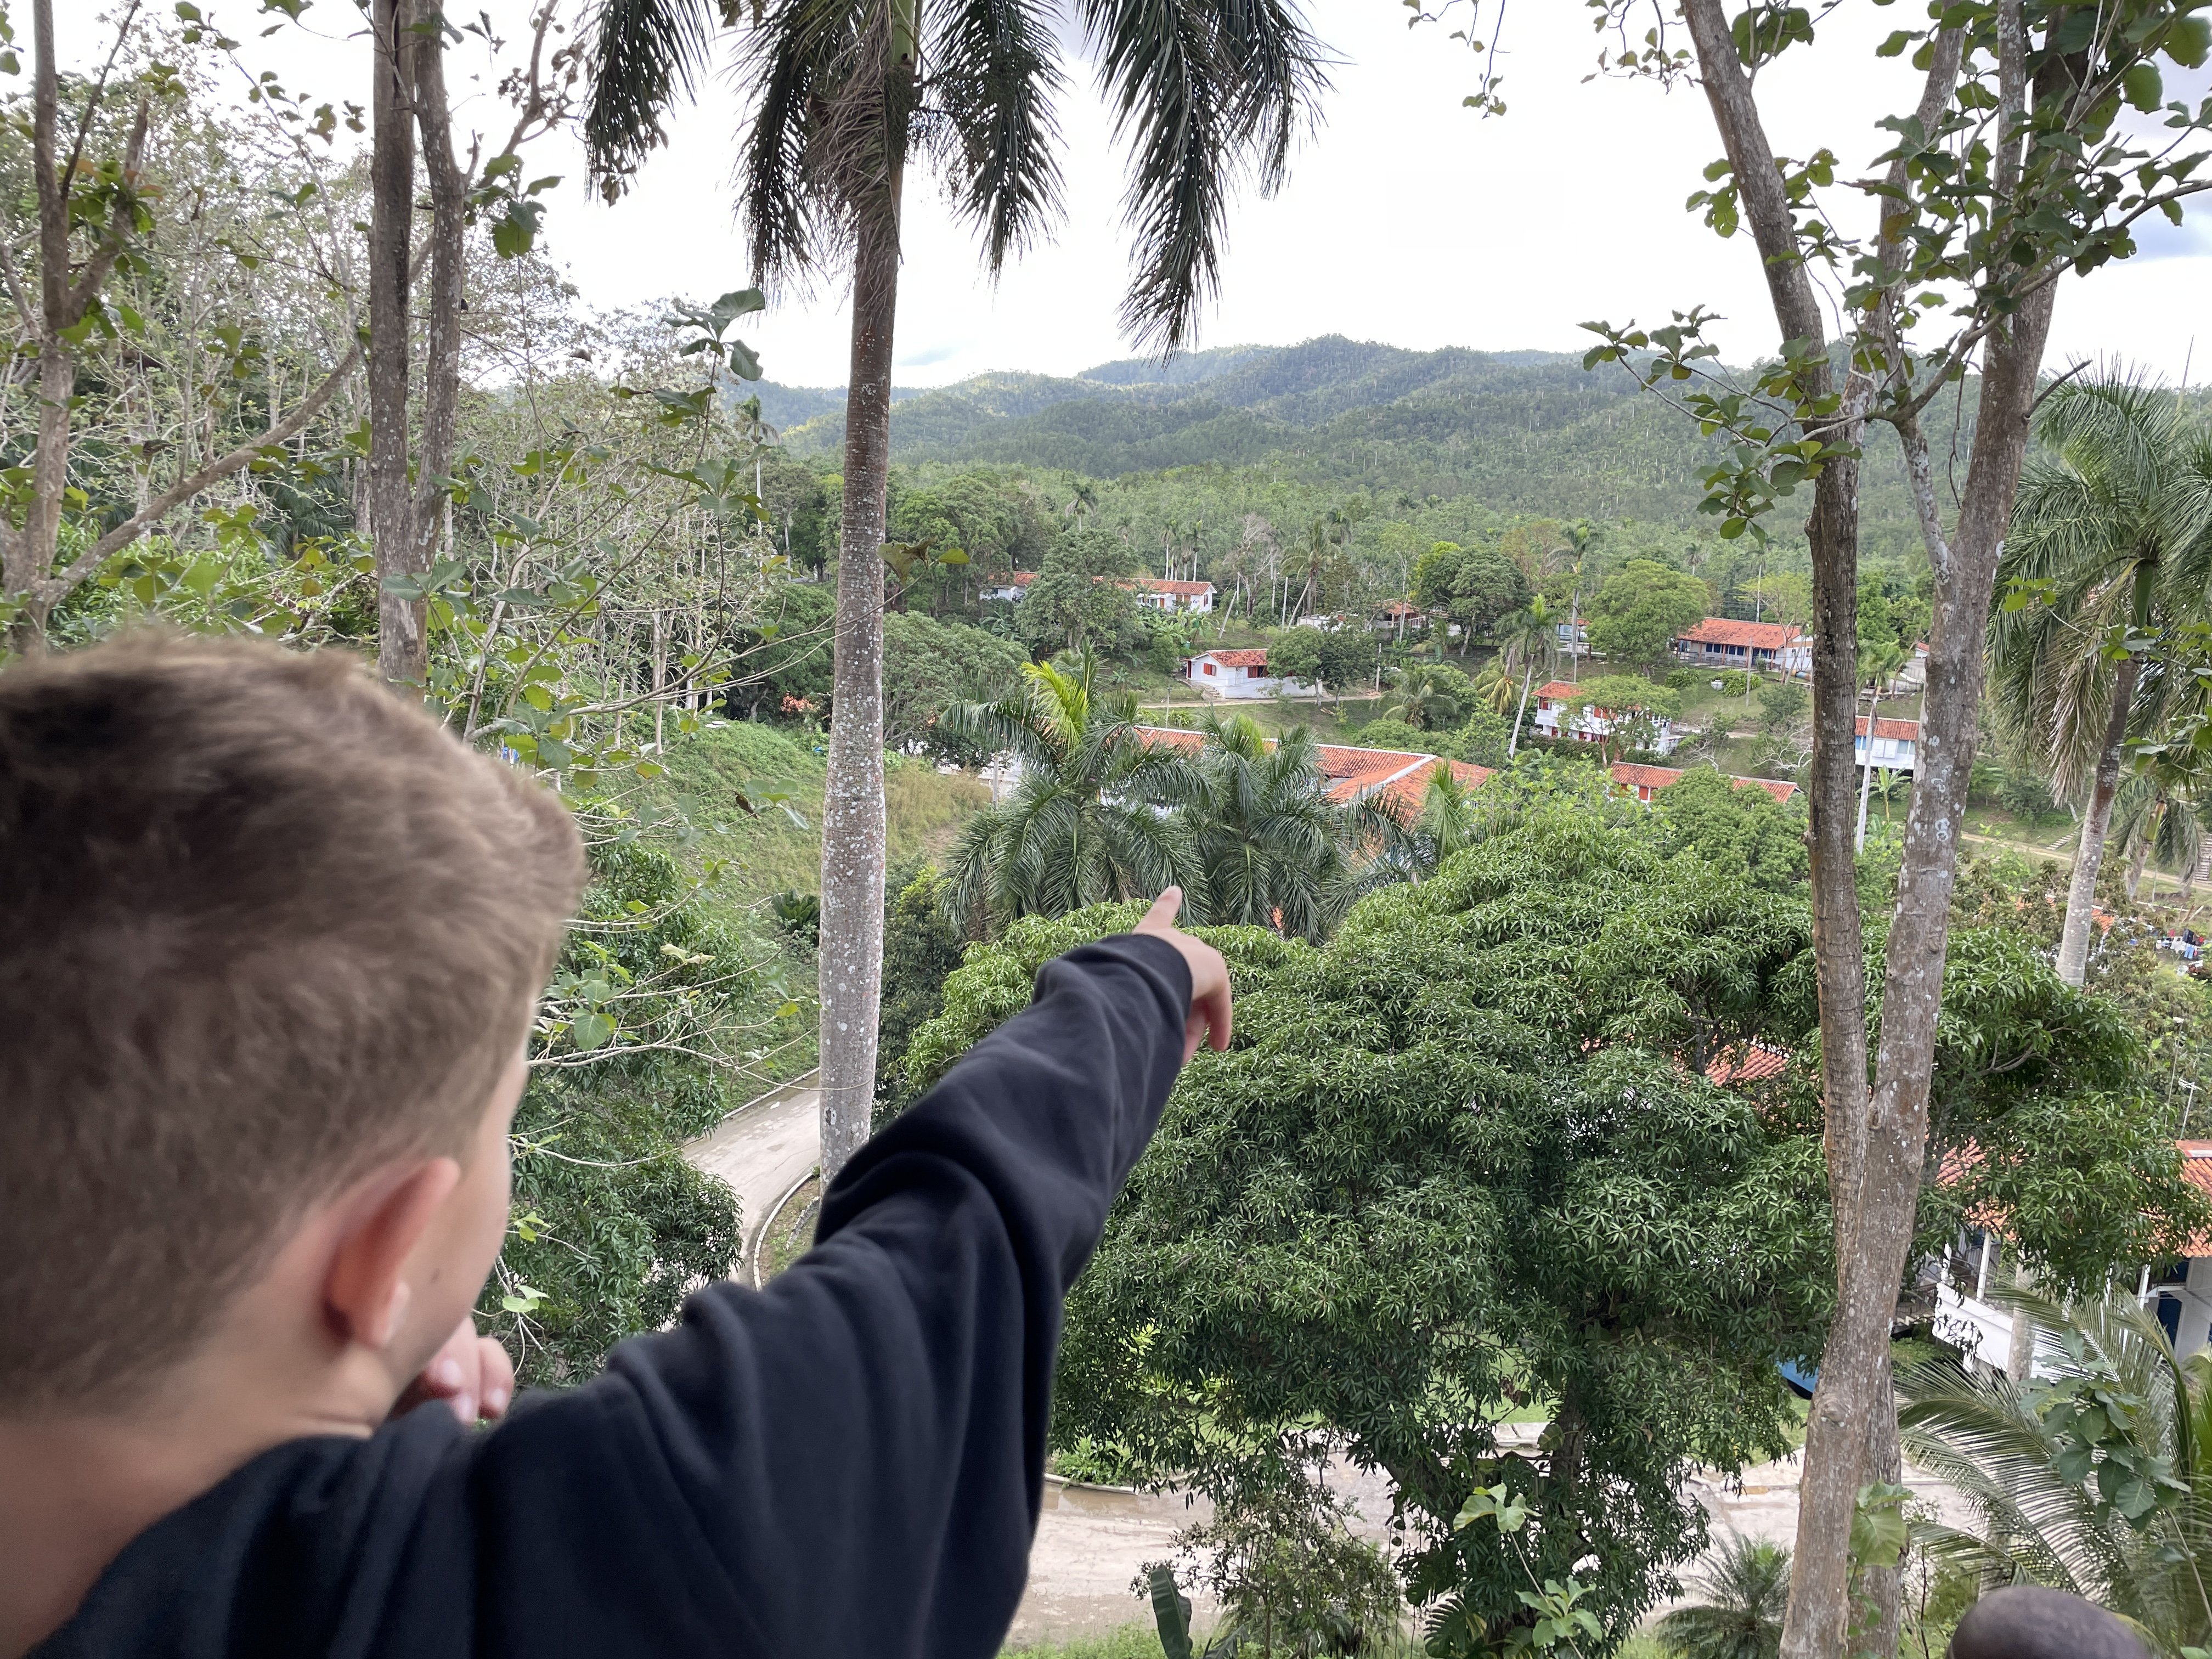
(1559, 689)
(1021, 578)
(1398, 608)
(1631, 775)
(1747, 1063)
(2196, 1171)
(1399, 774)
(1409, 789)
(1721, 630)
(1181, 590)
(1908, 730)
(1235, 659)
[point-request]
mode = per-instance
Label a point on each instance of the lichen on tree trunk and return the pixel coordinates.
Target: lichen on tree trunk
(852, 928)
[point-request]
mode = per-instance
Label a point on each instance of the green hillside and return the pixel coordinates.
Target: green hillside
(1521, 433)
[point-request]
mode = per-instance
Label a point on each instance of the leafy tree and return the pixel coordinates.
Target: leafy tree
(1738, 828)
(1430, 698)
(1335, 659)
(2093, 1479)
(928, 665)
(2111, 539)
(842, 96)
(1483, 739)
(1473, 587)
(1078, 601)
(1273, 850)
(1082, 824)
(921, 949)
(1747, 1591)
(1486, 1075)
(1641, 610)
(611, 1227)
(787, 657)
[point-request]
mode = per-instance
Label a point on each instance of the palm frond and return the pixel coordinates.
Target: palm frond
(645, 55)
(1198, 87)
(994, 75)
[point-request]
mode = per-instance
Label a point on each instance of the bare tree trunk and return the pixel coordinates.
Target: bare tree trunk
(1513, 743)
(852, 833)
(2097, 823)
(400, 657)
(441, 332)
(1855, 1363)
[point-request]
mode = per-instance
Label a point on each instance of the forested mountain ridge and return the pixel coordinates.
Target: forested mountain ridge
(1523, 432)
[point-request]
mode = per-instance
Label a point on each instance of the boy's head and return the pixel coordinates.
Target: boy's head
(264, 928)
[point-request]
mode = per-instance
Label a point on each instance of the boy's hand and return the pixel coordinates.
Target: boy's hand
(1209, 974)
(472, 1373)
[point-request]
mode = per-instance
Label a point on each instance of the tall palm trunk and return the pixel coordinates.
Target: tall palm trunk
(852, 833)
(2096, 826)
(2097, 822)
(1513, 742)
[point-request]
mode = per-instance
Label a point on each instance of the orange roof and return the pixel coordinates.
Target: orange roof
(1237, 659)
(2196, 1171)
(1630, 776)
(1399, 774)
(1747, 1063)
(1559, 688)
(1908, 730)
(1400, 608)
(1022, 578)
(1721, 630)
(1409, 788)
(1181, 590)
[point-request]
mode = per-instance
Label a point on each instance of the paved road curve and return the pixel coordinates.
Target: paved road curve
(764, 1151)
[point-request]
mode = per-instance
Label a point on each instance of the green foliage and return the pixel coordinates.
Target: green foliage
(1290, 1577)
(1271, 848)
(1338, 659)
(1630, 709)
(1741, 829)
(1450, 1082)
(1080, 825)
(1746, 1591)
(2093, 1479)
(921, 949)
(1474, 587)
(611, 1227)
(1078, 601)
(930, 665)
(1644, 607)
(788, 655)
(1432, 697)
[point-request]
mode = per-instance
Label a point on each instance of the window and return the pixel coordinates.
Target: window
(1209, 668)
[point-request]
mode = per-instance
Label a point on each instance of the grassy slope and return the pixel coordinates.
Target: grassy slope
(769, 852)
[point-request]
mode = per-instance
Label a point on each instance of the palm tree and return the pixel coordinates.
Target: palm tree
(1430, 698)
(2159, 812)
(1529, 632)
(1275, 851)
(2096, 1479)
(2112, 540)
(842, 94)
(1747, 1591)
(1448, 824)
(1088, 820)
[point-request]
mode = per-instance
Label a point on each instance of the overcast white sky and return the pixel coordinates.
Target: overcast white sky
(1407, 218)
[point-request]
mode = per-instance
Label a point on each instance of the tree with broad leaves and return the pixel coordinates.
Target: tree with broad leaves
(2040, 136)
(2111, 546)
(843, 95)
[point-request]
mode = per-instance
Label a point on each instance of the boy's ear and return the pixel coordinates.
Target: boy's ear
(365, 1293)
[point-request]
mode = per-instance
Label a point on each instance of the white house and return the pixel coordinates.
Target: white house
(1011, 586)
(1241, 673)
(2180, 1296)
(1724, 642)
(1189, 599)
(1895, 744)
(1555, 697)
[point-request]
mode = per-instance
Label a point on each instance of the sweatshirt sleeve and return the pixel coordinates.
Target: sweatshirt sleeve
(850, 1462)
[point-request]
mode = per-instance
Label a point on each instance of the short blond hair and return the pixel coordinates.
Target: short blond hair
(262, 925)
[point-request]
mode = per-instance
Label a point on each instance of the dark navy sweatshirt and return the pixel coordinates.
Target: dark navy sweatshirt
(847, 1464)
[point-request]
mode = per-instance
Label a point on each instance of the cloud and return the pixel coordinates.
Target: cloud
(923, 357)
